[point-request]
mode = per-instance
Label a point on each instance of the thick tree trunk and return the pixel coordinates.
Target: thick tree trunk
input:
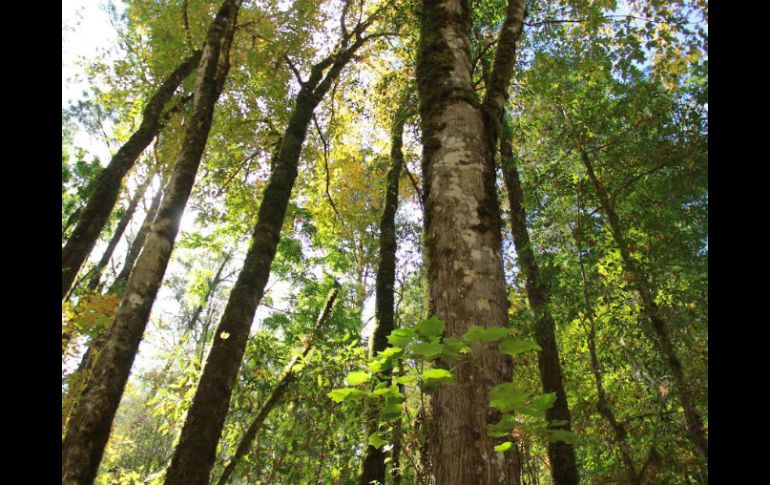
(560, 454)
(137, 244)
(89, 427)
(96, 274)
(463, 247)
(373, 464)
(277, 395)
(195, 454)
(650, 308)
(107, 186)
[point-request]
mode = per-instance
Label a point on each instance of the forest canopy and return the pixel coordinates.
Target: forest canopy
(439, 242)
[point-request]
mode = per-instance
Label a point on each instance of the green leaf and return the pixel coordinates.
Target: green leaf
(339, 395)
(405, 379)
(502, 427)
(504, 446)
(390, 391)
(391, 351)
(507, 397)
(401, 336)
(454, 347)
(378, 365)
(390, 411)
(428, 350)
(432, 327)
(356, 377)
(437, 375)
(376, 440)
(512, 346)
(480, 334)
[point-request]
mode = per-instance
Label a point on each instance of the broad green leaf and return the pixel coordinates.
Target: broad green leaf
(480, 334)
(339, 395)
(507, 397)
(401, 336)
(378, 365)
(437, 375)
(357, 377)
(391, 351)
(428, 350)
(376, 440)
(432, 327)
(512, 346)
(502, 427)
(454, 347)
(390, 411)
(390, 391)
(504, 446)
(405, 379)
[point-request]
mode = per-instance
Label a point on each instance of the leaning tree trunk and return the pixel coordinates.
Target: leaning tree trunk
(93, 283)
(650, 308)
(107, 186)
(89, 427)
(560, 453)
(373, 463)
(463, 246)
(118, 285)
(278, 392)
(195, 454)
(603, 405)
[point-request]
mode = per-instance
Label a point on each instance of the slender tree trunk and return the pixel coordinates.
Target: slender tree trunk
(89, 427)
(107, 185)
(195, 454)
(650, 308)
(137, 244)
(210, 289)
(603, 405)
(463, 246)
(93, 283)
(277, 395)
(560, 454)
(373, 463)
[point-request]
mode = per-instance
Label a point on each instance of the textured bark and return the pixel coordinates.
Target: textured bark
(195, 454)
(96, 274)
(463, 247)
(107, 185)
(650, 308)
(560, 454)
(373, 463)
(89, 427)
(277, 395)
(137, 244)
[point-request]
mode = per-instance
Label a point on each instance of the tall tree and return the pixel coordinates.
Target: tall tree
(107, 187)
(137, 244)
(373, 463)
(125, 219)
(560, 453)
(463, 245)
(89, 427)
(195, 453)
